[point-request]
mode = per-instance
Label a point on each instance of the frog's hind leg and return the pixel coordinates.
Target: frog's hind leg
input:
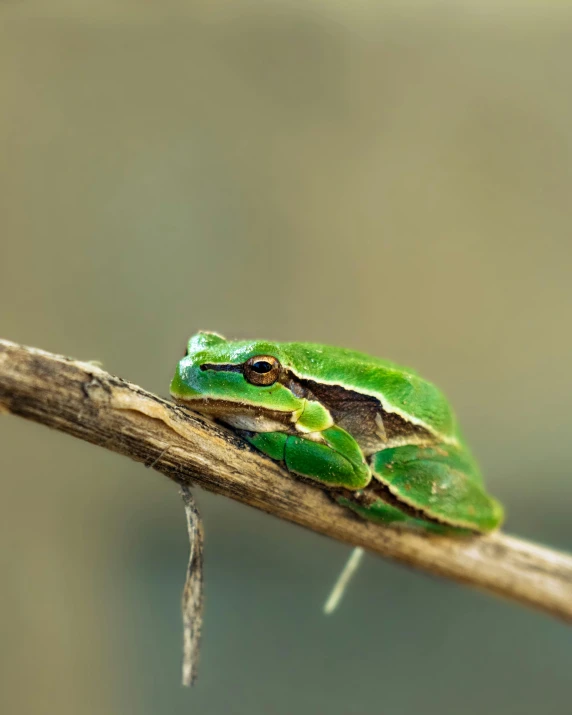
(440, 483)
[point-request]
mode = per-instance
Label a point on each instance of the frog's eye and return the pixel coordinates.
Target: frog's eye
(262, 370)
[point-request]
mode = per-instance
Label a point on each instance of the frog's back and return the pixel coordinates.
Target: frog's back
(399, 389)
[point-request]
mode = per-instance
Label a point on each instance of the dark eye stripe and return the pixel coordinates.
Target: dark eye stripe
(221, 368)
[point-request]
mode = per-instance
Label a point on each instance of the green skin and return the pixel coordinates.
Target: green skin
(384, 440)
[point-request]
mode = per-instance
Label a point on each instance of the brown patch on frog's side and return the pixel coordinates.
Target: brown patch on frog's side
(361, 415)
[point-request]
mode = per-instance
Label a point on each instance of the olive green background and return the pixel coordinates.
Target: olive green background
(393, 177)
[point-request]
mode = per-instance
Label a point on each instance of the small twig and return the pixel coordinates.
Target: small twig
(83, 400)
(193, 590)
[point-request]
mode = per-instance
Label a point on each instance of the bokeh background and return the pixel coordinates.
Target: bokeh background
(393, 177)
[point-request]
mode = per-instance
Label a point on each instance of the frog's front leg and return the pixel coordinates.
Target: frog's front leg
(332, 457)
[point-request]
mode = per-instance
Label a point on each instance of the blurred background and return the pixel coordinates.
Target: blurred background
(392, 177)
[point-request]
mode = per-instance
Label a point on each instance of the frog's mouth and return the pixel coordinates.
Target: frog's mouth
(240, 416)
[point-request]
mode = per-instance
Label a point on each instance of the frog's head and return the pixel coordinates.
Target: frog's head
(243, 383)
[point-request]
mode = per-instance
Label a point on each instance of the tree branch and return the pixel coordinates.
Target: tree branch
(81, 399)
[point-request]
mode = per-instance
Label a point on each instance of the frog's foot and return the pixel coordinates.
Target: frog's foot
(381, 512)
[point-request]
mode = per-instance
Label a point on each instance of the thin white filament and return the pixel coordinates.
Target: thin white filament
(344, 578)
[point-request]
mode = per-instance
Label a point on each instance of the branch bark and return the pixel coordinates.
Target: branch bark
(85, 401)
